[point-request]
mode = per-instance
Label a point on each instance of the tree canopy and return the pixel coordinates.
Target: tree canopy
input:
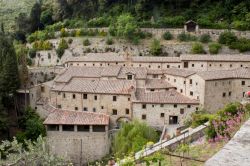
(132, 137)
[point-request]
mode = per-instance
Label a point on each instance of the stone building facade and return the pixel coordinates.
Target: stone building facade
(191, 62)
(81, 137)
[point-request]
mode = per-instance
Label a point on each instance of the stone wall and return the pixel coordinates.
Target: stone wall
(80, 147)
(103, 104)
(155, 119)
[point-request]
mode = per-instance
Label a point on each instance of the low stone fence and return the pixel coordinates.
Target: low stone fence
(189, 135)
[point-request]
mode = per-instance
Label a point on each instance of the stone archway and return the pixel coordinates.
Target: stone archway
(122, 119)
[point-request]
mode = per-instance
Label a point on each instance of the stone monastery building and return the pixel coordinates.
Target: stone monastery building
(93, 94)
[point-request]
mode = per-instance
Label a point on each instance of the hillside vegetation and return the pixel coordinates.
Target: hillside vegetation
(10, 9)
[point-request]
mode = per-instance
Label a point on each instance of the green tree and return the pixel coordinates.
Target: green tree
(126, 27)
(29, 153)
(32, 125)
(46, 17)
(155, 48)
(35, 15)
(132, 137)
(197, 48)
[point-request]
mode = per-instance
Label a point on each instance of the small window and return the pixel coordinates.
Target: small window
(143, 117)
(175, 105)
(243, 82)
(224, 94)
(76, 108)
(192, 65)
(174, 80)
(215, 84)
(144, 106)
(181, 90)
(73, 96)
(189, 106)
(102, 107)
(85, 109)
(153, 105)
(64, 95)
(99, 128)
(85, 96)
(149, 66)
(201, 65)
(114, 98)
(94, 109)
(162, 105)
(68, 127)
(95, 97)
(129, 99)
(210, 65)
(241, 65)
(127, 111)
(114, 112)
(184, 82)
(162, 115)
(181, 111)
(229, 93)
(190, 81)
(59, 93)
(179, 66)
(53, 127)
(83, 128)
(191, 93)
(155, 76)
(59, 106)
(231, 65)
(168, 66)
(129, 77)
(243, 94)
(152, 90)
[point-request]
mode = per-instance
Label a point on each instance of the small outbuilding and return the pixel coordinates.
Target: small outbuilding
(191, 26)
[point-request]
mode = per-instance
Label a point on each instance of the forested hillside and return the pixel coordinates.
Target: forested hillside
(208, 13)
(10, 9)
(150, 13)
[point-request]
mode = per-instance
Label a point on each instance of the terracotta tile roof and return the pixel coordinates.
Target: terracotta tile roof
(179, 72)
(222, 58)
(76, 118)
(98, 57)
(163, 97)
(157, 84)
(243, 73)
(139, 72)
(97, 86)
(114, 57)
(150, 71)
(155, 59)
(87, 72)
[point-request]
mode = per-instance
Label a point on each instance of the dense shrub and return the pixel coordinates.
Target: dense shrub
(109, 41)
(214, 48)
(241, 44)
(197, 48)
(170, 22)
(227, 38)
(40, 35)
(155, 48)
(32, 53)
(70, 40)
(167, 36)
(42, 45)
(64, 33)
(200, 118)
(86, 42)
(132, 137)
(63, 44)
(240, 25)
(205, 38)
(59, 52)
(99, 22)
(186, 37)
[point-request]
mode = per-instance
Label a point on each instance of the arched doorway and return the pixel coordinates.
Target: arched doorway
(121, 120)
